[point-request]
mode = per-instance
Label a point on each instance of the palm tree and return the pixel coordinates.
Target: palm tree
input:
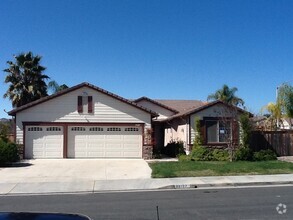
(227, 95)
(26, 80)
(274, 111)
(55, 87)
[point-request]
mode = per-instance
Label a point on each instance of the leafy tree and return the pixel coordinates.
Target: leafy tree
(285, 99)
(227, 95)
(26, 79)
(246, 128)
(4, 130)
(55, 87)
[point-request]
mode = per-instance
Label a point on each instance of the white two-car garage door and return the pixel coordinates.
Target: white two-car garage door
(84, 142)
(44, 142)
(104, 142)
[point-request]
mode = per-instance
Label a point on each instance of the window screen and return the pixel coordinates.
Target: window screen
(212, 128)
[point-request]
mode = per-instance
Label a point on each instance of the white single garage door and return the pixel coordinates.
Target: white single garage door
(104, 142)
(43, 142)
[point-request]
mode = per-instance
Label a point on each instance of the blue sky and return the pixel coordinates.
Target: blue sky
(160, 49)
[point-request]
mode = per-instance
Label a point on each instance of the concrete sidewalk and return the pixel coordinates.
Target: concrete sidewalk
(140, 184)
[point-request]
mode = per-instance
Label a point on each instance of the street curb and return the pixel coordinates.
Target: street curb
(206, 185)
(167, 187)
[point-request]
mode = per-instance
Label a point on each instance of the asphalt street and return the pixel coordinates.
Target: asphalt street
(233, 203)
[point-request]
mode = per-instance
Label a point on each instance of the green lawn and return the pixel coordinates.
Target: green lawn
(215, 168)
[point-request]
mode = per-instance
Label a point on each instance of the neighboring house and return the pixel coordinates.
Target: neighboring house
(176, 121)
(286, 123)
(84, 121)
(264, 123)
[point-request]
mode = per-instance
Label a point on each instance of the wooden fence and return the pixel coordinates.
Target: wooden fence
(279, 141)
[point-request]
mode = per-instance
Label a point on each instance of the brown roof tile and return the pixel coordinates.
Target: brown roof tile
(181, 105)
(157, 103)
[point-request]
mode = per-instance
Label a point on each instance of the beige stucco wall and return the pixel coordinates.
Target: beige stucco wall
(177, 130)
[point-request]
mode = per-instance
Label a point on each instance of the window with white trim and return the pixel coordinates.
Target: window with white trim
(113, 129)
(53, 129)
(131, 129)
(96, 129)
(78, 129)
(35, 129)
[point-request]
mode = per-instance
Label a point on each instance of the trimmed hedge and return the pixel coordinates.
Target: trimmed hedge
(8, 153)
(264, 155)
(205, 154)
(242, 154)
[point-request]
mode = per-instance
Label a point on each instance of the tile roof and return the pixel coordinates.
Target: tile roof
(187, 107)
(181, 105)
(156, 103)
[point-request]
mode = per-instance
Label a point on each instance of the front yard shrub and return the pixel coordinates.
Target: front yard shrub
(264, 155)
(157, 154)
(220, 155)
(243, 153)
(205, 154)
(183, 157)
(200, 153)
(8, 152)
(174, 148)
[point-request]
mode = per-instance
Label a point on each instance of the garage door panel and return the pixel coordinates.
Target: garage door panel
(131, 154)
(130, 147)
(44, 142)
(105, 141)
(95, 137)
(113, 146)
(114, 137)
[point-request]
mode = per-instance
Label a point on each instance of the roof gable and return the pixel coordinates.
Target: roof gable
(66, 91)
(203, 107)
(156, 103)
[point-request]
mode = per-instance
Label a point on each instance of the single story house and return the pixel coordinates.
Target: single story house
(85, 121)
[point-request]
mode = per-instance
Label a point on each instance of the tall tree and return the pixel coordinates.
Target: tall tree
(285, 99)
(55, 87)
(227, 95)
(26, 79)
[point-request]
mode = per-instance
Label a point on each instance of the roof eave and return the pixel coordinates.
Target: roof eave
(156, 103)
(65, 91)
(195, 110)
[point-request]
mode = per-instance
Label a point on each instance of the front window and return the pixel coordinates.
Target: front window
(218, 131)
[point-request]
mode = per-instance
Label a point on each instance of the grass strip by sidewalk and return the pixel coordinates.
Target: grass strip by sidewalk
(217, 168)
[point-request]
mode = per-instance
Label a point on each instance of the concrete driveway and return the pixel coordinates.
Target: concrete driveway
(63, 170)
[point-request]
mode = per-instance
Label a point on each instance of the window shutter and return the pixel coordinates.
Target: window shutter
(203, 131)
(235, 132)
(90, 104)
(79, 104)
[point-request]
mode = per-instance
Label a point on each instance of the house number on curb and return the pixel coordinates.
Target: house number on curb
(182, 186)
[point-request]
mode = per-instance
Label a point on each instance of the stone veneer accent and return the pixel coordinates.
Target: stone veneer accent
(147, 152)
